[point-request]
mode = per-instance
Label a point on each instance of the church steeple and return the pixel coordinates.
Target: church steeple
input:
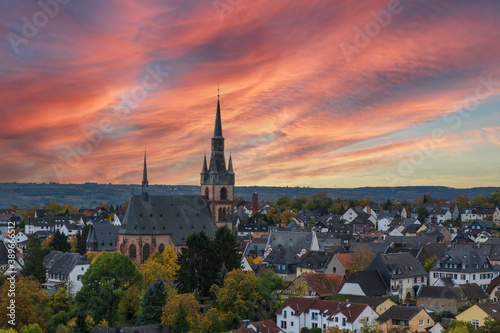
(218, 122)
(230, 166)
(145, 183)
(205, 169)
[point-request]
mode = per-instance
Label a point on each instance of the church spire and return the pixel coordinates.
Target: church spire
(230, 166)
(218, 122)
(204, 163)
(145, 176)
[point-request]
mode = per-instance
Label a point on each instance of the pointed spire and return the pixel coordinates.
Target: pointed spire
(218, 122)
(230, 166)
(204, 163)
(145, 175)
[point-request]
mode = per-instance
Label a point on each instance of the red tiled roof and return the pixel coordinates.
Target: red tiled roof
(323, 284)
(345, 259)
(492, 310)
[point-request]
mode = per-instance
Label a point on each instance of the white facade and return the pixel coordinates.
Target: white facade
(383, 224)
(75, 278)
(482, 278)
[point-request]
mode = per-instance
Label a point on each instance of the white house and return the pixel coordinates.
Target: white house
(299, 312)
(66, 269)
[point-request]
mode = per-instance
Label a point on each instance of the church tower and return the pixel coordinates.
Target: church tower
(217, 182)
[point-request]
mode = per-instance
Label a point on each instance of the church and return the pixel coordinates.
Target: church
(153, 222)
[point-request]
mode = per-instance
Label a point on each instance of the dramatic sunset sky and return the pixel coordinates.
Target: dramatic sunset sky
(313, 93)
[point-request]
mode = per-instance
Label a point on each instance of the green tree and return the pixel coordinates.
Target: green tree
(458, 326)
(269, 284)
(480, 200)
(422, 214)
(59, 301)
(430, 262)
(227, 250)
(33, 328)
(369, 327)
(197, 271)
(181, 324)
(238, 296)
(287, 216)
(60, 242)
(152, 303)
(33, 261)
(495, 197)
(274, 215)
(282, 201)
(491, 324)
(81, 240)
(105, 283)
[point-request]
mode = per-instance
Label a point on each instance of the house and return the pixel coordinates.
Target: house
(265, 326)
(378, 303)
(10, 264)
(449, 298)
(483, 213)
(315, 262)
(341, 263)
(66, 269)
(284, 261)
(438, 212)
(493, 290)
(102, 237)
(478, 313)
(415, 318)
(463, 267)
(299, 312)
(356, 212)
(299, 242)
(20, 236)
(402, 272)
(365, 283)
(318, 284)
(479, 225)
(71, 229)
(256, 230)
(306, 216)
(362, 225)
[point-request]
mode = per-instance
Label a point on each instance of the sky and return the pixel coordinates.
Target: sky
(313, 93)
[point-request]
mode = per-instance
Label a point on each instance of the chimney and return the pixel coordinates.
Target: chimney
(255, 202)
(245, 322)
(339, 305)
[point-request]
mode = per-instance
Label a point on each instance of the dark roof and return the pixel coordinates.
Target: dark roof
(435, 249)
(491, 309)
(399, 312)
(473, 261)
(473, 291)
(252, 227)
(403, 265)
(495, 282)
(104, 235)
(176, 215)
(295, 240)
(282, 255)
(370, 282)
(416, 240)
(4, 259)
(66, 262)
(51, 258)
(441, 292)
(316, 260)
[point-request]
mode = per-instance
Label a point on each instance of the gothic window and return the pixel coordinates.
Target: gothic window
(220, 215)
(223, 194)
(145, 253)
(131, 251)
(121, 248)
(206, 192)
(224, 217)
(161, 248)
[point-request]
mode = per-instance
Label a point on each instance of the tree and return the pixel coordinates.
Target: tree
(461, 201)
(331, 329)
(429, 263)
(81, 240)
(60, 242)
(362, 256)
(152, 303)
(458, 326)
(129, 307)
(495, 197)
(33, 265)
(196, 272)
(269, 283)
(105, 283)
(189, 303)
(480, 200)
(287, 216)
(33, 328)
(369, 327)
(29, 300)
(273, 215)
(59, 301)
(160, 266)
(282, 201)
(238, 296)
(299, 287)
(227, 250)
(491, 324)
(422, 214)
(181, 324)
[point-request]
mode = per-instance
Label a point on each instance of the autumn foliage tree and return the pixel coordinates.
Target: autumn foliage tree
(361, 257)
(160, 266)
(197, 322)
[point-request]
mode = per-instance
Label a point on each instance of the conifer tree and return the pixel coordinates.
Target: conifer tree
(181, 324)
(33, 264)
(60, 242)
(152, 303)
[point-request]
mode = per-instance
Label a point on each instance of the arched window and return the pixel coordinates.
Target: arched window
(224, 212)
(223, 194)
(219, 218)
(145, 253)
(121, 248)
(206, 192)
(131, 252)
(161, 248)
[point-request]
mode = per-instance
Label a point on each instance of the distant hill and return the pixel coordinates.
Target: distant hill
(27, 195)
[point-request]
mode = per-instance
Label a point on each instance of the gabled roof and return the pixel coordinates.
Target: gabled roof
(495, 282)
(316, 260)
(66, 262)
(345, 259)
(282, 255)
(473, 291)
(400, 312)
(176, 215)
(295, 240)
(369, 281)
(403, 265)
(323, 284)
(104, 234)
(455, 293)
(491, 309)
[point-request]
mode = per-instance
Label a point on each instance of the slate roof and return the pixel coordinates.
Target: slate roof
(176, 215)
(282, 255)
(253, 227)
(415, 240)
(435, 249)
(455, 293)
(4, 259)
(51, 258)
(379, 247)
(473, 291)
(370, 282)
(403, 265)
(104, 234)
(295, 240)
(399, 312)
(495, 282)
(473, 261)
(316, 260)
(64, 263)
